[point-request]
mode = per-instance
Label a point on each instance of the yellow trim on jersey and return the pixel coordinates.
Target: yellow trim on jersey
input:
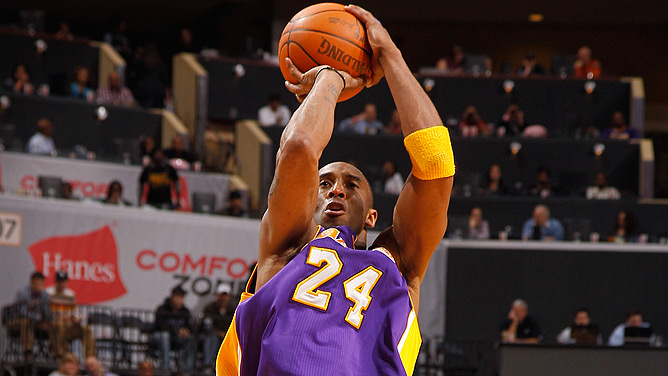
(409, 345)
(229, 354)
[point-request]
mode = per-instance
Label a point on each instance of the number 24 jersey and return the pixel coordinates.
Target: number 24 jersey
(332, 310)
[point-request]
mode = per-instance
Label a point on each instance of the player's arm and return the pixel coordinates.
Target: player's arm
(288, 222)
(420, 215)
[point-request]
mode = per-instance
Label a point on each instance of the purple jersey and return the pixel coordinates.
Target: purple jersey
(332, 310)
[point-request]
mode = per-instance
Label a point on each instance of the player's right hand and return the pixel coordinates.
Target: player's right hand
(306, 80)
(378, 37)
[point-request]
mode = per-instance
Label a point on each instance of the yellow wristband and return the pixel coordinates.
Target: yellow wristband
(431, 153)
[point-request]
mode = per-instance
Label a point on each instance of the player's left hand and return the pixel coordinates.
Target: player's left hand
(306, 80)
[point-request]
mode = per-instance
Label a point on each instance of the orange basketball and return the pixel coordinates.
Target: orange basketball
(325, 34)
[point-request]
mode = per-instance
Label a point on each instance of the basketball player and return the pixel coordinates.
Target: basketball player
(316, 305)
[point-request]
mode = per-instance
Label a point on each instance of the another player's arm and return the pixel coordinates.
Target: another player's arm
(420, 215)
(288, 223)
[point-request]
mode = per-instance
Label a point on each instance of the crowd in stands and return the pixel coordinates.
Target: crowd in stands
(520, 327)
(38, 314)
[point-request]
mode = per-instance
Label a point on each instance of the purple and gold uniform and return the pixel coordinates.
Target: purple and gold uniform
(332, 310)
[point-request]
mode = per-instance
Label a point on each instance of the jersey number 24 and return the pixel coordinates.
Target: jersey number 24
(357, 288)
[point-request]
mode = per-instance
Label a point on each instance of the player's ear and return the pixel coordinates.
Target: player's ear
(371, 217)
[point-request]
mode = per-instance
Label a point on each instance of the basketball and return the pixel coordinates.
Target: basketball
(325, 34)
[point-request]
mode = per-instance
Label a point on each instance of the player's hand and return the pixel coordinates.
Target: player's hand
(378, 37)
(306, 80)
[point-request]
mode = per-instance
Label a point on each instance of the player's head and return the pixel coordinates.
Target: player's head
(344, 198)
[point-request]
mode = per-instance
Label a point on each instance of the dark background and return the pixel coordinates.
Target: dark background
(629, 37)
(482, 284)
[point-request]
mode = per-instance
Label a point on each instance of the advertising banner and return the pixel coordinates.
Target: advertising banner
(90, 179)
(133, 257)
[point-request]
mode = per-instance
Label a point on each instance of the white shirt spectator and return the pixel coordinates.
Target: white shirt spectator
(40, 144)
(394, 184)
(268, 117)
(605, 193)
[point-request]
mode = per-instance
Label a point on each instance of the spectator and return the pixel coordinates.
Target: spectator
(601, 190)
(619, 130)
(235, 206)
(471, 125)
(442, 64)
(455, 61)
(494, 185)
(543, 187)
(178, 151)
(115, 194)
(217, 319)
(80, 87)
(186, 42)
(95, 368)
(69, 366)
(114, 93)
(32, 315)
(626, 225)
(19, 82)
(145, 368)
(394, 126)
(66, 326)
(63, 32)
(584, 66)
(634, 319)
(541, 226)
(530, 67)
(519, 327)
(275, 113)
(581, 321)
(173, 331)
(42, 142)
(511, 122)
(66, 191)
(157, 182)
(147, 147)
(149, 77)
(478, 227)
(394, 183)
(118, 38)
(364, 123)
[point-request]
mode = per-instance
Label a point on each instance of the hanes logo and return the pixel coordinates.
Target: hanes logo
(91, 262)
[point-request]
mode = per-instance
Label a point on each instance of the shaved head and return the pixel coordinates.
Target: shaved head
(344, 198)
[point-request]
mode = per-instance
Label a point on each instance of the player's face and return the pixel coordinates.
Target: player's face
(344, 198)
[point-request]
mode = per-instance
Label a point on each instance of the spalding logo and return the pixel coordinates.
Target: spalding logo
(91, 262)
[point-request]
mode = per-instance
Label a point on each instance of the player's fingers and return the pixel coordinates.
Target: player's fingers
(294, 71)
(293, 88)
(361, 13)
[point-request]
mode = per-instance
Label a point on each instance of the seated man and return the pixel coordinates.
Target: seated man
(581, 330)
(619, 130)
(42, 142)
(173, 330)
(364, 123)
(31, 314)
(95, 368)
(115, 93)
(541, 226)
(66, 325)
(217, 319)
(519, 327)
(601, 190)
(275, 113)
(633, 320)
